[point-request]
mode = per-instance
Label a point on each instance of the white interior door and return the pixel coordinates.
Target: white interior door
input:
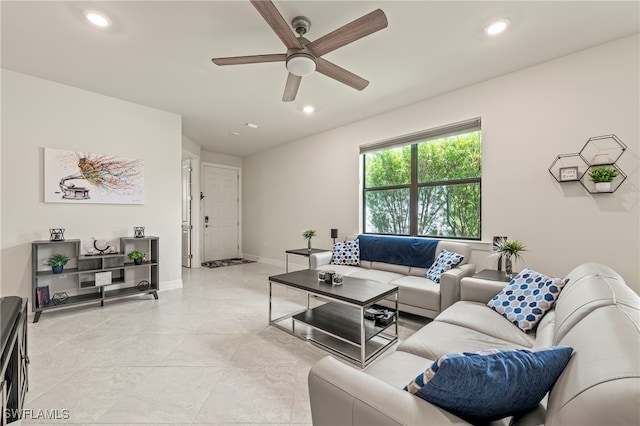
(221, 210)
(186, 213)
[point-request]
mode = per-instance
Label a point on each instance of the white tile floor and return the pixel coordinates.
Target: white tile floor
(203, 354)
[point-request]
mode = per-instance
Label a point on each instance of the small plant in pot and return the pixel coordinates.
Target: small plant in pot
(602, 177)
(508, 249)
(57, 262)
(308, 234)
(137, 256)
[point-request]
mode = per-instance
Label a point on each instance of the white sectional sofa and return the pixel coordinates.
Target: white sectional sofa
(596, 314)
(416, 294)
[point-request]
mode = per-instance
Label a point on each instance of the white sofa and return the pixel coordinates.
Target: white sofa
(416, 294)
(596, 314)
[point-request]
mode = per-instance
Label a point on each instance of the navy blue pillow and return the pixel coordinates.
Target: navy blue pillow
(490, 385)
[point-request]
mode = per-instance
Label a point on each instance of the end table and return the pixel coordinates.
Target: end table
(302, 252)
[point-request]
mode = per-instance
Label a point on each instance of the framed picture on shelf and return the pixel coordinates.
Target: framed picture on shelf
(568, 173)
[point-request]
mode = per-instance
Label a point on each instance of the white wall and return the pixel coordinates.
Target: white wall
(222, 159)
(39, 113)
(528, 117)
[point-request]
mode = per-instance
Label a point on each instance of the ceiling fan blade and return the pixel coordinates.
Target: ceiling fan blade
(277, 23)
(291, 88)
(355, 30)
(254, 59)
(337, 73)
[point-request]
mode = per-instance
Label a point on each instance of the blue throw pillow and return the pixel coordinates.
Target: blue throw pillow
(526, 299)
(347, 253)
(446, 260)
(493, 384)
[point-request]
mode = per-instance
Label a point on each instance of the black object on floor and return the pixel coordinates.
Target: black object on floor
(226, 262)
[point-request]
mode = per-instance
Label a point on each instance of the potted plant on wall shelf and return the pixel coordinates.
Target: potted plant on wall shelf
(137, 256)
(308, 234)
(57, 262)
(507, 249)
(602, 177)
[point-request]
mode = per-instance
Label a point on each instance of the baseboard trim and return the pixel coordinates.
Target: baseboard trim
(170, 285)
(279, 263)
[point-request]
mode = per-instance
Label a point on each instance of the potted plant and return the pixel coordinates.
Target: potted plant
(308, 234)
(602, 177)
(137, 256)
(508, 249)
(57, 262)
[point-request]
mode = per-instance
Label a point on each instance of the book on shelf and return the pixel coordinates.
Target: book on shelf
(43, 296)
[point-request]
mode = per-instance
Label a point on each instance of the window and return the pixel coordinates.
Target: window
(425, 184)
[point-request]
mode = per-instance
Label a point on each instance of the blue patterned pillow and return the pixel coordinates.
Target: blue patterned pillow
(526, 299)
(446, 260)
(492, 384)
(347, 253)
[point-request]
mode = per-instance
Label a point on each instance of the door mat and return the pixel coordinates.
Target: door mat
(226, 262)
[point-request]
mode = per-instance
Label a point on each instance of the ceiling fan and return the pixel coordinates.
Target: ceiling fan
(303, 57)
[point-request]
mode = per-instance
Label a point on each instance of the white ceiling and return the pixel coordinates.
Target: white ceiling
(159, 54)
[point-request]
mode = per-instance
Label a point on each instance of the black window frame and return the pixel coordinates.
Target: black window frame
(414, 186)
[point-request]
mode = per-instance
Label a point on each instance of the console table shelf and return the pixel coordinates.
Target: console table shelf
(93, 278)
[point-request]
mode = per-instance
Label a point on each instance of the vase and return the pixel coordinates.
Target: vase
(508, 267)
(57, 269)
(603, 186)
(309, 244)
(137, 261)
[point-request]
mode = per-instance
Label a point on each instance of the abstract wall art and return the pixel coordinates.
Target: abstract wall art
(84, 178)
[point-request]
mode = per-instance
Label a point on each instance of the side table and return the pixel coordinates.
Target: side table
(302, 252)
(491, 275)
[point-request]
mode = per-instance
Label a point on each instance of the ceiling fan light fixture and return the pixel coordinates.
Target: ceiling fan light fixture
(97, 19)
(497, 27)
(301, 64)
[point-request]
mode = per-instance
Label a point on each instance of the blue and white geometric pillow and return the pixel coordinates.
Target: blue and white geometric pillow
(526, 299)
(446, 260)
(347, 253)
(491, 384)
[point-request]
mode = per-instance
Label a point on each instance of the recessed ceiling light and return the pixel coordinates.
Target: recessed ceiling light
(97, 19)
(234, 134)
(251, 125)
(497, 27)
(308, 109)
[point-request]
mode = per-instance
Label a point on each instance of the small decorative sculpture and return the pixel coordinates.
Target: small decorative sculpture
(57, 234)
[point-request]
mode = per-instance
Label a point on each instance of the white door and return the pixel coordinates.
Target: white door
(220, 212)
(186, 213)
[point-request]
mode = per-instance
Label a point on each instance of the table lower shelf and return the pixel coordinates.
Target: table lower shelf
(339, 320)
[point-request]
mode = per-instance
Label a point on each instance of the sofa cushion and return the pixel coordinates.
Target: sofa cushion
(346, 253)
(376, 275)
(591, 286)
(440, 338)
(526, 299)
(418, 252)
(478, 317)
(397, 368)
(446, 260)
(340, 269)
(418, 291)
(489, 385)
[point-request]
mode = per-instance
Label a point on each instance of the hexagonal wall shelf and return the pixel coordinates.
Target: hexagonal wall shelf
(598, 152)
(605, 149)
(568, 168)
(593, 188)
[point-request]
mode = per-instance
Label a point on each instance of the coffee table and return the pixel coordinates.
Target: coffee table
(338, 324)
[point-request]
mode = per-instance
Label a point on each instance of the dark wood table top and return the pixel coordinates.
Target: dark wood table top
(492, 275)
(357, 291)
(306, 252)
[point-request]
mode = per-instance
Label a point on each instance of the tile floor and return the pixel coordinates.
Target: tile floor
(203, 354)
